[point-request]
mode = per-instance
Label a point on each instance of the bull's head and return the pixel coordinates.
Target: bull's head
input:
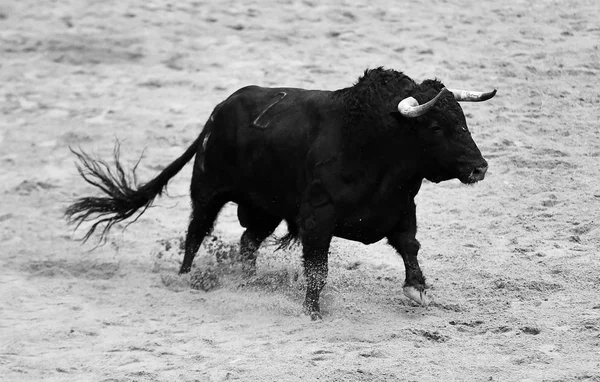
(443, 133)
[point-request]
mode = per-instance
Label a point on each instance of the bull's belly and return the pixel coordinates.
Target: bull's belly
(283, 204)
(366, 228)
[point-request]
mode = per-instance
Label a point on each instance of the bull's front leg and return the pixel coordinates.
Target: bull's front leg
(403, 240)
(316, 231)
(315, 269)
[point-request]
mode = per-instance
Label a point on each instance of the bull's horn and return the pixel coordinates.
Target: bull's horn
(410, 108)
(469, 96)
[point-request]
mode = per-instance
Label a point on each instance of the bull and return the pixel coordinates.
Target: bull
(345, 163)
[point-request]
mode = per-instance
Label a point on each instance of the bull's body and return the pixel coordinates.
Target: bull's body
(341, 163)
(293, 154)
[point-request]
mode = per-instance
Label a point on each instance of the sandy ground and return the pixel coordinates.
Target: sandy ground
(513, 261)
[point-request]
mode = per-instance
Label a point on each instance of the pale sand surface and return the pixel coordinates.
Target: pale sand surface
(513, 261)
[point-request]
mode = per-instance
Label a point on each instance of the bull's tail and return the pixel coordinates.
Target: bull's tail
(123, 196)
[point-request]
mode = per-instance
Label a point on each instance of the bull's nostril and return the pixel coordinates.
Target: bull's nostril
(479, 172)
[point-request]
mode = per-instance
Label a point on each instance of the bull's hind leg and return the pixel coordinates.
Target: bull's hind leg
(207, 202)
(259, 225)
(202, 220)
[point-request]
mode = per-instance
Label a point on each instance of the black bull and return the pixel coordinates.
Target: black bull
(345, 163)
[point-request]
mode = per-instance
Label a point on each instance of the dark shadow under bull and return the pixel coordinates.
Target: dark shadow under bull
(345, 163)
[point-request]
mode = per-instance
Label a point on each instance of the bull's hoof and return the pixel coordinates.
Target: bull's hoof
(312, 312)
(418, 294)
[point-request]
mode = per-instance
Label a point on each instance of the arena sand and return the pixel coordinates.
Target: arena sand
(513, 261)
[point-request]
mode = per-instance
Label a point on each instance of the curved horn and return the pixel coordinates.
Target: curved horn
(410, 108)
(469, 96)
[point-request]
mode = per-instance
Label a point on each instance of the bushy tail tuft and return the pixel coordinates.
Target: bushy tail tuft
(290, 239)
(123, 196)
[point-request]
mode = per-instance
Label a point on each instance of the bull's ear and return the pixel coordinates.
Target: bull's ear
(394, 113)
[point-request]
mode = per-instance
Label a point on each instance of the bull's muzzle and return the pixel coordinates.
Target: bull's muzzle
(478, 173)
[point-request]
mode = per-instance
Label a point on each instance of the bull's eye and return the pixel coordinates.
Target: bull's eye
(464, 128)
